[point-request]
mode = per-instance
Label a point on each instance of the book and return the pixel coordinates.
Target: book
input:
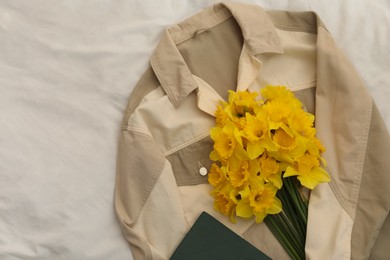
(210, 239)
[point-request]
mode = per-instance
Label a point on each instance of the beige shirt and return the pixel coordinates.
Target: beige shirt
(165, 133)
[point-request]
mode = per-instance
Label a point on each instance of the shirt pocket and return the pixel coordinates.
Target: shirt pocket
(187, 162)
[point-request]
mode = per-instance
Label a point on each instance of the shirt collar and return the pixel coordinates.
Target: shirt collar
(248, 69)
(259, 35)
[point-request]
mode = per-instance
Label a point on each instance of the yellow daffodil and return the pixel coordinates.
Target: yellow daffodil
(243, 102)
(258, 201)
(277, 111)
(283, 140)
(239, 122)
(302, 122)
(224, 141)
(234, 118)
(221, 117)
(316, 147)
(217, 175)
(276, 92)
(270, 171)
(258, 135)
(225, 201)
(256, 141)
(308, 170)
(240, 176)
(290, 155)
(256, 128)
(228, 146)
(282, 94)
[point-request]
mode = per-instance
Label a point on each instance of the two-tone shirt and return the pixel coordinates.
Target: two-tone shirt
(165, 139)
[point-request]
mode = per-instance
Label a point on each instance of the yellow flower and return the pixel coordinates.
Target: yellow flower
(298, 148)
(235, 195)
(307, 162)
(319, 145)
(239, 122)
(225, 201)
(264, 201)
(277, 110)
(308, 170)
(240, 176)
(270, 171)
(242, 102)
(242, 171)
(224, 141)
(259, 201)
(259, 138)
(282, 94)
(221, 117)
(256, 128)
(276, 92)
(284, 140)
(217, 175)
(315, 147)
(302, 122)
(255, 141)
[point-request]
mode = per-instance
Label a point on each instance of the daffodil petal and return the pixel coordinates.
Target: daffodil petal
(274, 125)
(241, 153)
(214, 132)
(260, 216)
(232, 217)
(245, 193)
(214, 156)
(276, 207)
(315, 177)
(254, 149)
(290, 171)
(269, 145)
(287, 129)
(254, 167)
(244, 210)
(320, 174)
(308, 181)
(276, 180)
(234, 163)
(237, 136)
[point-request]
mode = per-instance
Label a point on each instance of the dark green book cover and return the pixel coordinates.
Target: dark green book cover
(210, 239)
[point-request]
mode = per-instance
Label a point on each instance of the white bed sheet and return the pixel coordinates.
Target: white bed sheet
(66, 71)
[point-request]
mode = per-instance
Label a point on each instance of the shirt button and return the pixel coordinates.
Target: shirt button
(203, 171)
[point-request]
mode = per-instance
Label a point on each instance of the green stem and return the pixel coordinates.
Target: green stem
(290, 213)
(302, 201)
(275, 229)
(296, 197)
(289, 226)
(290, 231)
(296, 200)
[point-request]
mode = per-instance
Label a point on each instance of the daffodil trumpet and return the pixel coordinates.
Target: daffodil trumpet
(265, 153)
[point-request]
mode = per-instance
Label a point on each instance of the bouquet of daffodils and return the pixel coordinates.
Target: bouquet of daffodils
(265, 153)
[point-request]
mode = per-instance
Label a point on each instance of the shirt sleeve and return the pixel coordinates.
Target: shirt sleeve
(147, 202)
(371, 229)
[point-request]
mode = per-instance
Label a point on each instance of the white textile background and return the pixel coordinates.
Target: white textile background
(66, 70)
